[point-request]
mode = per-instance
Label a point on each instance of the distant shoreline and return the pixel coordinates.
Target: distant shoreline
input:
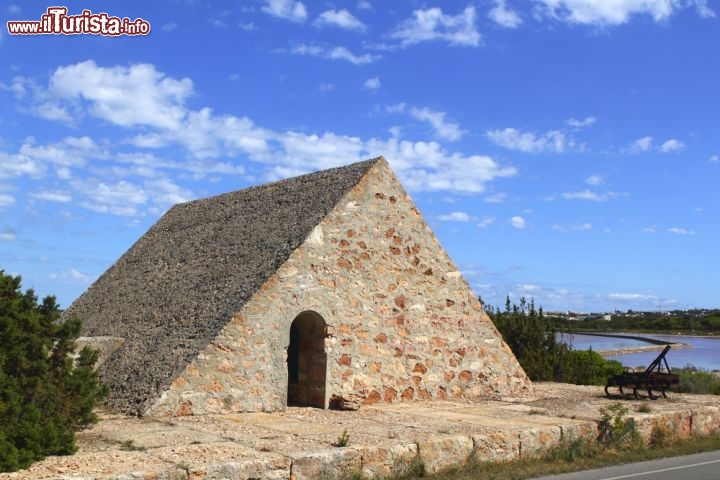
(648, 348)
(655, 344)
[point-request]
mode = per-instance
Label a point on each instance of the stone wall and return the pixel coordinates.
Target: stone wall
(401, 322)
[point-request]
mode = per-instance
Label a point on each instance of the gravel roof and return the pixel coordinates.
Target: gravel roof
(173, 291)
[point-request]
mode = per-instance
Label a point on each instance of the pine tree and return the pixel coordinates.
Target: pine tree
(45, 393)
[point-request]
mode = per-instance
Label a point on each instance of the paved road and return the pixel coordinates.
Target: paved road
(700, 466)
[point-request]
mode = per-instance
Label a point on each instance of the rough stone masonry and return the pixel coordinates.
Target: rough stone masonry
(307, 291)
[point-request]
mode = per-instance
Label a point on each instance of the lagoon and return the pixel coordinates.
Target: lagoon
(704, 352)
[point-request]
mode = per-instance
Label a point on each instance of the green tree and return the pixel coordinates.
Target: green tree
(533, 339)
(46, 391)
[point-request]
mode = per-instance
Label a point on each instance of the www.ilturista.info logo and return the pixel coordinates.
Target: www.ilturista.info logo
(57, 22)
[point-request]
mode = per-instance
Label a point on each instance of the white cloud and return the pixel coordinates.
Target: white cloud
(53, 196)
(6, 200)
(133, 183)
(486, 221)
(364, 5)
(169, 27)
(573, 228)
(325, 87)
(681, 231)
(444, 129)
(631, 296)
(553, 141)
(616, 12)
(372, 83)
(496, 198)
(396, 108)
(121, 198)
(12, 166)
(503, 16)
(585, 122)
(715, 159)
(517, 222)
(455, 217)
(595, 180)
(7, 235)
(426, 166)
(70, 275)
(703, 9)
(433, 24)
(334, 53)
(672, 145)
(649, 230)
(340, 18)
(286, 9)
(641, 144)
(586, 195)
(124, 96)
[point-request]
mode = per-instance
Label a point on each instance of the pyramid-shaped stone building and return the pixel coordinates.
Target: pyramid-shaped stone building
(321, 287)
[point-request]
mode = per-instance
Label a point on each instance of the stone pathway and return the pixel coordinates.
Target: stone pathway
(381, 438)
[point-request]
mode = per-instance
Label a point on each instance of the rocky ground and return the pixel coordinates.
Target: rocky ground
(302, 441)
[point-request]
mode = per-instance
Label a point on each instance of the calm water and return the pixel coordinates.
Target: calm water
(705, 352)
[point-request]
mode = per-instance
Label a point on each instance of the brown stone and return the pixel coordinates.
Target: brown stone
(428, 272)
(344, 263)
(419, 367)
(179, 382)
(351, 233)
(392, 199)
(345, 342)
(345, 359)
(395, 250)
(380, 196)
(400, 301)
(389, 232)
(417, 379)
(408, 394)
(424, 394)
(449, 376)
(460, 351)
(213, 386)
(438, 342)
(441, 393)
(362, 244)
(344, 243)
(185, 409)
(465, 375)
(372, 397)
(449, 303)
(390, 394)
(381, 338)
(374, 367)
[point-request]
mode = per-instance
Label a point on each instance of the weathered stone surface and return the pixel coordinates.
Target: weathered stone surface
(382, 439)
(209, 295)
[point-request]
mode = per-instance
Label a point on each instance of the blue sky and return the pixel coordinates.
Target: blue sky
(561, 150)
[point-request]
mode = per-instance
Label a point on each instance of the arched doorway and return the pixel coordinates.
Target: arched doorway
(307, 361)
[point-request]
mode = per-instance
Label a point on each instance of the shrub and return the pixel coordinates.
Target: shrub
(615, 429)
(45, 395)
(695, 380)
